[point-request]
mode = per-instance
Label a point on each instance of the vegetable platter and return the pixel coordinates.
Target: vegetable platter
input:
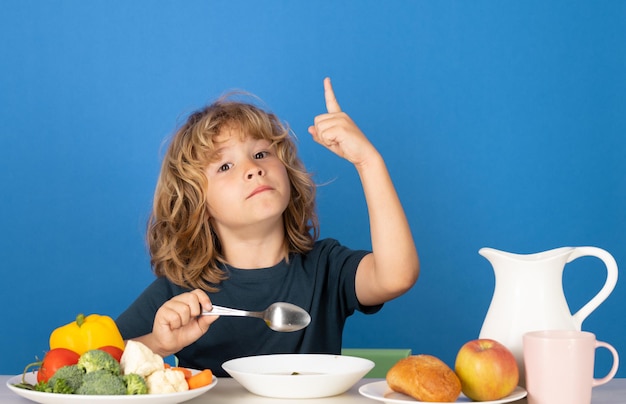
(55, 398)
(89, 361)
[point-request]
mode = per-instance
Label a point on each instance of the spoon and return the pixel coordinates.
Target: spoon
(278, 316)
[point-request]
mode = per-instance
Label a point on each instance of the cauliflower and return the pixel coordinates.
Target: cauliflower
(139, 359)
(166, 381)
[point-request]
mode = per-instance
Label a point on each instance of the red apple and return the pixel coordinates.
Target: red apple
(487, 370)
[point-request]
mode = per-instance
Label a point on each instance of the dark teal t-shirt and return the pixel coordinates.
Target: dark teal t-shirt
(321, 282)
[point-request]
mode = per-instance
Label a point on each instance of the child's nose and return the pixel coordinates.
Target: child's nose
(255, 171)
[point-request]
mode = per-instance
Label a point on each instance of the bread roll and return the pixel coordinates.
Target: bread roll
(425, 378)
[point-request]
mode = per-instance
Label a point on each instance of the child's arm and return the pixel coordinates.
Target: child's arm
(178, 323)
(394, 266)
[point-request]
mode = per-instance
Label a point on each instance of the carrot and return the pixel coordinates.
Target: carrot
(185, 371)
(204, 378)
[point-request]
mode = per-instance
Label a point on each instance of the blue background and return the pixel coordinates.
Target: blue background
(503, 124)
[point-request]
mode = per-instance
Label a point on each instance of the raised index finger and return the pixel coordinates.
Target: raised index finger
(331, 101)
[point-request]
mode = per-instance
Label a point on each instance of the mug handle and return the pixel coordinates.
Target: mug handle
(609, 284)
(613, 371)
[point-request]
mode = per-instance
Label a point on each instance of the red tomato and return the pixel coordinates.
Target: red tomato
(113, 351)
(54, 360)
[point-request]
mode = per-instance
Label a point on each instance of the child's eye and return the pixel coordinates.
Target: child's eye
(224, 167)
(261, 155)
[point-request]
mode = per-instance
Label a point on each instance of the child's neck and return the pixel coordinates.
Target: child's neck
(255, 253)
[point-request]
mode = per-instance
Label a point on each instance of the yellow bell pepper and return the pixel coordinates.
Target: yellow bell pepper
(87, 332)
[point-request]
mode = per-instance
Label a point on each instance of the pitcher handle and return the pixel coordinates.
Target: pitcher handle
(609, 284)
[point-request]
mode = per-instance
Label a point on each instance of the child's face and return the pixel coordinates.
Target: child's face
(247, 183)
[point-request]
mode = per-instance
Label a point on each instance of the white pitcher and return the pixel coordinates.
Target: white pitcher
(529, 294)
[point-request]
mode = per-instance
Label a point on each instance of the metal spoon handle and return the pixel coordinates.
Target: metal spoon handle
(227, 311)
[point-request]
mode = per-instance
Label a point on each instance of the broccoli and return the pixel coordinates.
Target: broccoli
(42, 386)
(135, 384)
(98, 360)
(102, 382)
(66, 380)
(61, 386)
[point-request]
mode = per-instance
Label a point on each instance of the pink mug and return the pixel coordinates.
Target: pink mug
(559, 366)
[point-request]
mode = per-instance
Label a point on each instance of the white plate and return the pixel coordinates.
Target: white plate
(52, 398)
(298, 375)
(381, 392)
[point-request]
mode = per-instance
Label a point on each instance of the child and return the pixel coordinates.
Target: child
(234, 224)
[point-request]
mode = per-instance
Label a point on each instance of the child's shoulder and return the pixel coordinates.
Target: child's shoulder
(330, 248)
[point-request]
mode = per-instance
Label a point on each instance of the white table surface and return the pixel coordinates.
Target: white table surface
(228, 391)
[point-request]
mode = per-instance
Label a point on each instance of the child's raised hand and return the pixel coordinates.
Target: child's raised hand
(336, 131)
(178, 322)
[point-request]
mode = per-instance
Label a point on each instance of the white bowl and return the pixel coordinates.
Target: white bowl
(298, 375)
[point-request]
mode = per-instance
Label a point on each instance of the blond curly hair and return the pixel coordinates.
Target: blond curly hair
(183, 247)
